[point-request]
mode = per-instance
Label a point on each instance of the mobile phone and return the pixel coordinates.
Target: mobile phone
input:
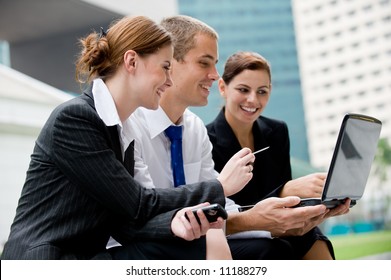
(212, 212)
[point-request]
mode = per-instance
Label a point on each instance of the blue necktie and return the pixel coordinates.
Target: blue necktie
(174, 133)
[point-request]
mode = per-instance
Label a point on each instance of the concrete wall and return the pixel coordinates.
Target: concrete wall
(25, 105)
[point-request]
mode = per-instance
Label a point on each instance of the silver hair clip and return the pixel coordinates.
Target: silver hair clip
(102, 33)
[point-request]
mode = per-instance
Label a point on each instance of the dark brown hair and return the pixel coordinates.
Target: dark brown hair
(241, 61)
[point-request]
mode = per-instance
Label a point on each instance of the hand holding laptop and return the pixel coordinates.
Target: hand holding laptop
(277, 216)
(316, 221)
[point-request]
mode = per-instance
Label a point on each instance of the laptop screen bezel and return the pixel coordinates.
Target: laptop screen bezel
(345, 120)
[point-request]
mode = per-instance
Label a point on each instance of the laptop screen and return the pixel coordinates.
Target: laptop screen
(351, 164)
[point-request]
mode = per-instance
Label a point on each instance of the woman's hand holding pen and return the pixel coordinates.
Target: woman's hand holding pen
(237, 172)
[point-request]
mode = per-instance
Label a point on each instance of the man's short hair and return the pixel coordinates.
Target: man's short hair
(184, 30)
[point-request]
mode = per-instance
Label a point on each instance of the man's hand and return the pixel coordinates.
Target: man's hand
(237, 172)
(189, 229)
(311, 223)
(280, 217)
(339, 210)
(306, 186)
(275, 215)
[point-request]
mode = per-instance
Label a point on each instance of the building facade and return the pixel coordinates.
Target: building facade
(345, 61)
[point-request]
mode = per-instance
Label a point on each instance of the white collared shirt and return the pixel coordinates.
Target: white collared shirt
(152, 149)
(107, 111)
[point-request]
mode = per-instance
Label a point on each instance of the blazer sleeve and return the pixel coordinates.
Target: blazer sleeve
(156, 228)
(280, 138)
(82, 151)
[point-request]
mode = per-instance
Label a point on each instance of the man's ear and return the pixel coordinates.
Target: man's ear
(222, 86)
(130, 58)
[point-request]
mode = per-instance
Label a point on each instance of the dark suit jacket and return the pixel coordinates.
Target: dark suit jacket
(77, 192)
(272, 168)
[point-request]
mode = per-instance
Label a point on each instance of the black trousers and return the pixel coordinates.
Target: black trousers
(302, 244)
(177, 249)
(261, 249)
(286, 248)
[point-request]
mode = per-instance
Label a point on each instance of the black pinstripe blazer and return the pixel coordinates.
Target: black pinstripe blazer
(77, 192)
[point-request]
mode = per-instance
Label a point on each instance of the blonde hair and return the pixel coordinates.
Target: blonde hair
(102, 54)
(184, 30)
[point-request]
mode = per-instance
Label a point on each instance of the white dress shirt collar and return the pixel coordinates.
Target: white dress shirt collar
(157, 121)
(107, 111)
(104, 103)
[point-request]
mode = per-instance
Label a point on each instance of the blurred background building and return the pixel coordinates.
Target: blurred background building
(328, 57)
(345, 66)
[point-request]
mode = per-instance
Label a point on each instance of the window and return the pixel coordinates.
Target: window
(369, 23)
(380, 106)
(4, 53)
(367, 7)
(386, 19)
(353, 29)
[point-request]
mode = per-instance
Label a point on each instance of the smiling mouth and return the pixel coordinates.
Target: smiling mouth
(248, 109)
(160, 92)
(207, 88)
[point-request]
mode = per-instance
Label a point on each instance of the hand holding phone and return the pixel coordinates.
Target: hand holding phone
(212, 212)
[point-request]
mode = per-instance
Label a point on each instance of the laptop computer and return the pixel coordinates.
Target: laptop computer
(351, 162)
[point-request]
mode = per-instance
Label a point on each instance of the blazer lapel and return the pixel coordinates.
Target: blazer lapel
(129, 158)
(128, 161)
(114, 139)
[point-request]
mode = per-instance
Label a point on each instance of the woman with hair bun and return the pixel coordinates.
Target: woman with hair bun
(79, 188)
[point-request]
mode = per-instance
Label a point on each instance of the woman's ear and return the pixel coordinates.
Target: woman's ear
(222, 87)
(130, 58)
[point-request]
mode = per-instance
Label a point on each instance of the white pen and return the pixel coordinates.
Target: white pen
(261, 150)
(246, 207)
